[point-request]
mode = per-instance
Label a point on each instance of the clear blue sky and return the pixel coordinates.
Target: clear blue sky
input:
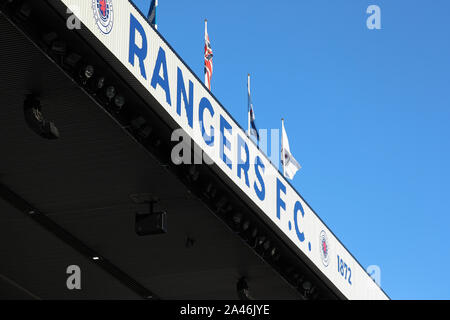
(367, 113)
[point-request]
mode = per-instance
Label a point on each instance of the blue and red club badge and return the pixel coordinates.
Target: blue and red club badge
(324, 248)
(103, 14)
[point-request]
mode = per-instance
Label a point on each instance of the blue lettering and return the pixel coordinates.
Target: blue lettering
(134, 50)
(205, 104)
(261, 193)
(243, 166)
(156, 78)
(280, 203)
(224, 142)
(297, 207)
(181, 90)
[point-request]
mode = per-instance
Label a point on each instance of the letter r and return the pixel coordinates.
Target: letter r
(141, 53)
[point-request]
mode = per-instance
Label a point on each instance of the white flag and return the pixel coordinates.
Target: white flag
(290, 165)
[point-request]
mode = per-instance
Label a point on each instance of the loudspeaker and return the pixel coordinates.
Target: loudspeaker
(151, 223)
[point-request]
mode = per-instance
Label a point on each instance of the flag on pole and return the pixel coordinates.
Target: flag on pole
(208, 58)
(251, 114)
(151, 16)
(290, 165)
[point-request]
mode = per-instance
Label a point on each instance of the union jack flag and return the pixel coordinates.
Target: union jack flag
(208, 59)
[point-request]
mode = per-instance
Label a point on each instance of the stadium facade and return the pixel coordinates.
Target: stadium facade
(96, 180)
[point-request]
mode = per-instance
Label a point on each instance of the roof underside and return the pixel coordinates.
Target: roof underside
(84, 182)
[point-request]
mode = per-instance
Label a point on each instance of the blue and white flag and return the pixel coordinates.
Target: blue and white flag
(251, 114)
(151, 16)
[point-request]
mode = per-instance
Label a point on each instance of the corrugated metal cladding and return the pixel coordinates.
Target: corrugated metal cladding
(83, 181)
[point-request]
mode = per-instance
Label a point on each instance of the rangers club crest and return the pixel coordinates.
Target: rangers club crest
(324, 248)
(103, 14)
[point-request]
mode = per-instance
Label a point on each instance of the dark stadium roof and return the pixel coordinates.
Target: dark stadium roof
(85, 182)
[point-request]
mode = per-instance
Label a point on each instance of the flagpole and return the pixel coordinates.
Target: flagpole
(282, 148)
(156, 22)
(206, 73)
(248, 104)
